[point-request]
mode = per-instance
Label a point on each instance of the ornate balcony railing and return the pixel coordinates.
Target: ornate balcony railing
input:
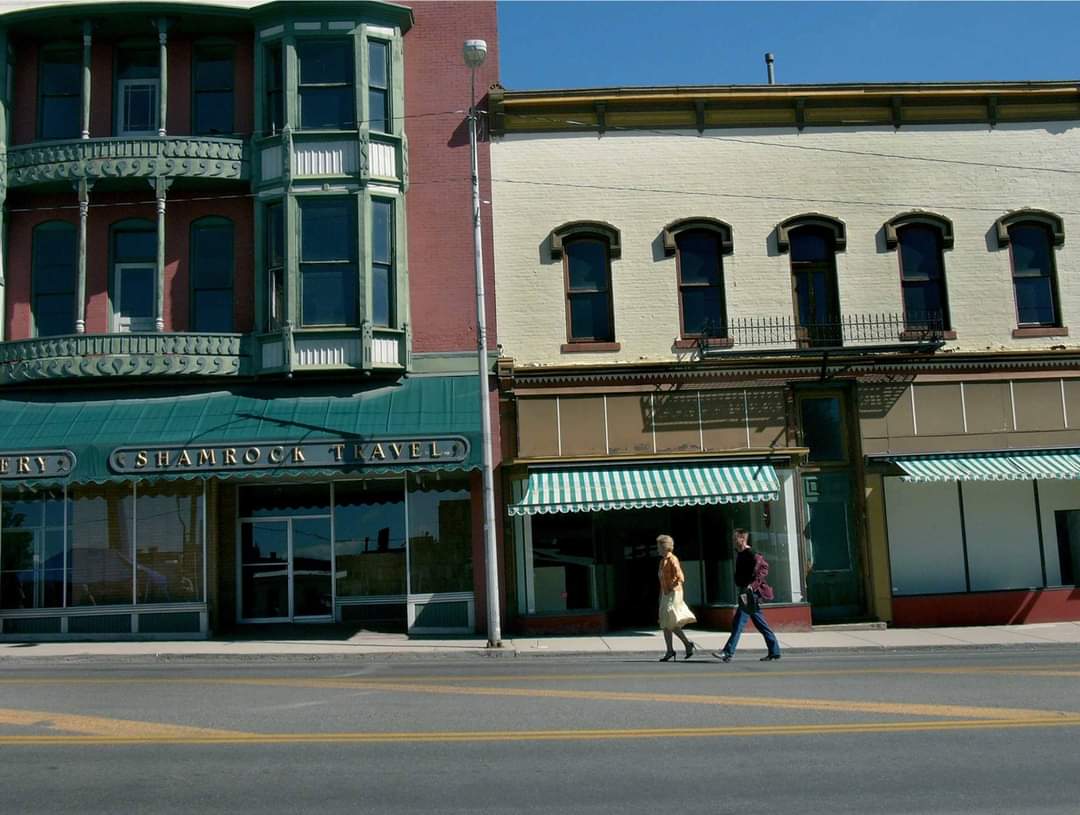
(127, 157)
(110, 355)
(855, 332)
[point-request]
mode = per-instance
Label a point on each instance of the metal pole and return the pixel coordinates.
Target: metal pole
(490, 548)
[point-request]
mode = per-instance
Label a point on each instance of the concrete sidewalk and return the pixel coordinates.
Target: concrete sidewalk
(363, 643)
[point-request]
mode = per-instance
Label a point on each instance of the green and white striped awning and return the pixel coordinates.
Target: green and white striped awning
(550, 491)
(1004, 466)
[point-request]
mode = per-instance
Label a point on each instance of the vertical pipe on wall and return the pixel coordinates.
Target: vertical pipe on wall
(963, 535)
(87, 42)
(1039, 529)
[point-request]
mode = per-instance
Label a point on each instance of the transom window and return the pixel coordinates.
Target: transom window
(212, 275)
(382, 262)
(701, 284)
(1034, 274)
(60, 94)
(588, 290)
(922, 277)
(328, 265)
(327, 98)
(137, 88)
(379, 86)
(212, 89)
(54, 257)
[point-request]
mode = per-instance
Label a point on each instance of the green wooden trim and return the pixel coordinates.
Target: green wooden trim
(362, 202)
(291, 272)
(292, 81)
(260, 270)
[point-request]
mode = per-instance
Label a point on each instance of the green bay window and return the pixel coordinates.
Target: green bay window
(212, 92)
(212, 275)
(60, 94)
(382, 262)
(54, 284)
(379, 86)
(326, 96)
(328, 262)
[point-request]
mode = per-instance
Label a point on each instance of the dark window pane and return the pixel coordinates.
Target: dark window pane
(440, 535)
(378, 54)
(702, 309)
(920, 253)
(277, 298)
(280, 501)
(587, 263)
(329, 295)
(1030, 251)
(328, 230)
(923, 303)
(213, 310)
(809, 244)
(590, 317)
(213, 72)
(382, 240)
(275, 81)
(137, 64)
(1035, 301)
(369, 538)
(378, 111)
(137, 292)
(325, 62)
(327, 107)
(823, 430)
(61, 117)
(380, 295)
(135, 245)
(212, 256)
(699, 258)
(139, 104)
(275, 235)
(61, 75)
(54, 314)
(54, 260)
(213, 112)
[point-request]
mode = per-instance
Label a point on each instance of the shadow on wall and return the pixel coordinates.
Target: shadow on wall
(878, 398)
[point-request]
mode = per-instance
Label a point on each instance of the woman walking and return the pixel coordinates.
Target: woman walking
(674, 613)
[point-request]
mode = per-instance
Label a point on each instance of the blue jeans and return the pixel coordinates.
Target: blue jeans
(738, 623)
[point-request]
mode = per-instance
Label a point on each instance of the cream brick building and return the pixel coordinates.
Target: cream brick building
(891, 466)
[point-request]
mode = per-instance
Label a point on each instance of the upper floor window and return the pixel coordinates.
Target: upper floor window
(134, 276)
(813, 241)
(53, 285)
(137, 88)
(212, 275)
(326, 96)
(275, 265)
(589, 309)
(1034, 275)
(699, 245)
(382, 262)
(328, 262)
(212, 92)
(275, 89)
(921, 238)
(60, 94)
(379, 86)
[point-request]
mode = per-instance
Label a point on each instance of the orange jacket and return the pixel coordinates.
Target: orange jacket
(671, 574)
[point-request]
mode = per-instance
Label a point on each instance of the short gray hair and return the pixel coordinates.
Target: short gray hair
(665, 542)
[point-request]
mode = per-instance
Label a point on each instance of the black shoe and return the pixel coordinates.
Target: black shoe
(770, 657)
(690, 649)
(670, 655)
(723, 657)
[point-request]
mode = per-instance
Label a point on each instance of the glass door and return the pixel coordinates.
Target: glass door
(264, 567)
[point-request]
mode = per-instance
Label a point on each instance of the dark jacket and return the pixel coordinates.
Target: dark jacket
(751, 569)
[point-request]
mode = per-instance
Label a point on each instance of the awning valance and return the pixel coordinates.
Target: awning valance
(423, 423)
(1000, 466)
(593, 490)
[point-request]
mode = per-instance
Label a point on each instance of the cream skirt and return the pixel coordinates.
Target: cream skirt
(674, 613)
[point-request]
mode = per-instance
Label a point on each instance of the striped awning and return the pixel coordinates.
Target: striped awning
(1004, 466)
(550, 491)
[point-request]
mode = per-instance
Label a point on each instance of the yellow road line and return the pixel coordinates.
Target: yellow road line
(540, 735)
(101, 726)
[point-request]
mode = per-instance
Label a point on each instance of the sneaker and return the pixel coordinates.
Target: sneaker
(723, 657)
(770, 657)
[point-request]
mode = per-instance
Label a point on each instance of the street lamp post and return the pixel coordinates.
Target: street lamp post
(475, 52)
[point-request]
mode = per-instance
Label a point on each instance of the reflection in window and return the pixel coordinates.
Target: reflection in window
(31, 548)
(382, 262)
(379, 86)
(564, 562)
(101, 545)
(285, 501)
(369, 537)
(168, 532)
(212, 89)
(60, 90)
(1034, 275)
(328, 261)
(275, 265)
(212, 275)
(137, 88)
(922, 276)
(701, 284)
(823, 429)
(54, 257)
(326, 95)
(274, 113)
(440, 535)
(588, 291)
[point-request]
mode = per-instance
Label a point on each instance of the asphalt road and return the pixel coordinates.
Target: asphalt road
(972, 732)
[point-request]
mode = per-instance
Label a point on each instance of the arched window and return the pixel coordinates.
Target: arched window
(212, 275)
(921, 239)
(587, 249)
(1031, 236)
(134, 275)
(54, 257)
(813, 241)
(699, 246)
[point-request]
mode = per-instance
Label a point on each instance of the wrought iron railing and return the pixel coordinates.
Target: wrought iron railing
(848, 331)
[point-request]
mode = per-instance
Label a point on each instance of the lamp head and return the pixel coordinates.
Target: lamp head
(475, 52)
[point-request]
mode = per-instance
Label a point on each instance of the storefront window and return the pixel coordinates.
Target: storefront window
(101, 547)
(440, 535)
(564, 562)
(31, 548)
(369, 538)
(168, 535)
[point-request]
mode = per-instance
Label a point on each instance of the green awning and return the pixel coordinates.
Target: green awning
(999, 466)
(550, 491)
(438, 407)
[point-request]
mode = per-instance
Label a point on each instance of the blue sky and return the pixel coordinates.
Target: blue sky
(603, 44)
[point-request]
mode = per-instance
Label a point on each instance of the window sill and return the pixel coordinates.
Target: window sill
(589, 347)
(915, 334)
(1041, 331)
(693, 342)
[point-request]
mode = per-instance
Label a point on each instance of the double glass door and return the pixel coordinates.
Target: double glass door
(286, 569)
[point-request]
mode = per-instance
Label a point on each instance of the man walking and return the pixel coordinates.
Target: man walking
(751, 569)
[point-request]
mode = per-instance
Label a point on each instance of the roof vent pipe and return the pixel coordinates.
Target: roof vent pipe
(769, 60)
